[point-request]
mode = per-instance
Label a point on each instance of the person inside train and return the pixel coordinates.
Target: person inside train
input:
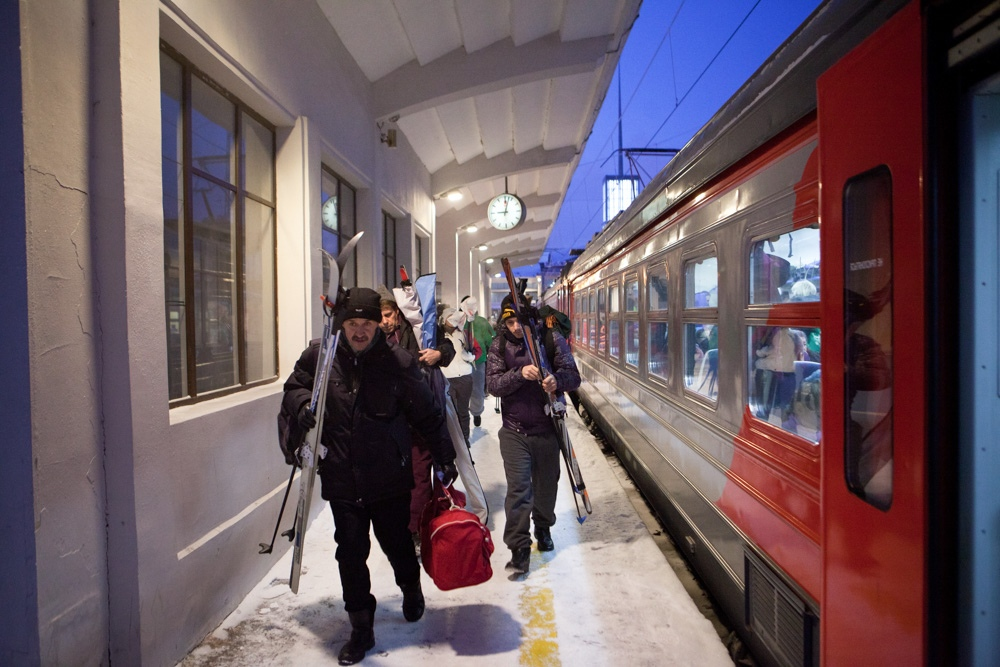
(529, 444)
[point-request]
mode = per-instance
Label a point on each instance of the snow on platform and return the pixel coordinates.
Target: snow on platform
(605, 596)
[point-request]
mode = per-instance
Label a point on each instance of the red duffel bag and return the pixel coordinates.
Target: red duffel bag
(455, 546)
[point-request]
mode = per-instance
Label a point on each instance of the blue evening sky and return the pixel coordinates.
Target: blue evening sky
(682, 61)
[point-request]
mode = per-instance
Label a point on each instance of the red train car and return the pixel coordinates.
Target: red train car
(790, 338)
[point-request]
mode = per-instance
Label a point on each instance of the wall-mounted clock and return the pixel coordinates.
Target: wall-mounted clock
(506, 211)
(329, 213)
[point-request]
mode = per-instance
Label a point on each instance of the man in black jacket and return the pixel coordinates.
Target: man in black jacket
(375, 395)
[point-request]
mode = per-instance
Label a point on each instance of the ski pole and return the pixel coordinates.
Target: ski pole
(267, 548)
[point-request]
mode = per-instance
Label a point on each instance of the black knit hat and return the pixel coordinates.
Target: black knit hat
(362, 303)
(507, 308)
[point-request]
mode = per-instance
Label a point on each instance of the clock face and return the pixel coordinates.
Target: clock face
(330, 213)
(505, 212)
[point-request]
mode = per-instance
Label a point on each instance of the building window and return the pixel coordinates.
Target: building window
(219, 236)
(420, 252)
(339, 224)
(389, 260)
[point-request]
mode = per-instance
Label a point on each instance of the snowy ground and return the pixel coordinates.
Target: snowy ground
(605, 596)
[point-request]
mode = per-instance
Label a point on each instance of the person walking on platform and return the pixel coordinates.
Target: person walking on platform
(398, 331)
(375, 396)
(529, 444)
(479, 334)
(459, 371)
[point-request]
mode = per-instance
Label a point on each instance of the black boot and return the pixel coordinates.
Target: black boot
(544, 538)
(519, 560)
(362, 636)
(413, 601)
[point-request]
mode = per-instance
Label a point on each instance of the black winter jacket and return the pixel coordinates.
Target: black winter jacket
(371, 399)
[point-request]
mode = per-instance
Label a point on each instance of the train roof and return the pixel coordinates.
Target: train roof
(781, 92)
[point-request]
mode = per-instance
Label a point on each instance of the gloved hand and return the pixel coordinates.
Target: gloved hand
(306, 418)
(447, 474)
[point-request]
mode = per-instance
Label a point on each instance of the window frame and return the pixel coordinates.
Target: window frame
(389, 259)
(697, 315)
(660, 315)
(614, 297)
(788, 315)
(349, 278)
(240, 192)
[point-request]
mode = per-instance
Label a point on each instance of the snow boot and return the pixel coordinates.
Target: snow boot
(544, 538)
(362, 636)
(519, 560)
(413, 601)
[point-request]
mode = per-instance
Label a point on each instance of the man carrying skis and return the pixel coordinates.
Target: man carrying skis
(529, 444)
(375, 395)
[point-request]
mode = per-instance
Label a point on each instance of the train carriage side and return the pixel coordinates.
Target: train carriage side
(846, 516)
(660, 333)
(699, 332)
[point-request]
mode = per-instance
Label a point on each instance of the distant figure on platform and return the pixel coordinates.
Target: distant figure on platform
(480, 334)
(375, 396)
(529, 444)
(459, 371)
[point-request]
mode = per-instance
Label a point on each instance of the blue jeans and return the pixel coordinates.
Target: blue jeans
(478, 398)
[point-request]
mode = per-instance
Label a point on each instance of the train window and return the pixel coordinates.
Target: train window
(632, 342)
(632, 295)
(868, 383)
(602, 332)
(656, 287)
(701, 283)
(659, 358)
(591, 324)
(701, 356)
(784, 377)
(613, 323)
(785, 267)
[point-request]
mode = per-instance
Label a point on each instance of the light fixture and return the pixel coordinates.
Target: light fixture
(454, 195)
(387, 131)
(482, 246)
(496, 275)
(472, 229)
(488, 260)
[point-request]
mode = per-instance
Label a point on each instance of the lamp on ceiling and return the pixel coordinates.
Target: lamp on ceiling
(387, 131)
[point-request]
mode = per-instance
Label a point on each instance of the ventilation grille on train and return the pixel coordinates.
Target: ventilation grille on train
(778, 617)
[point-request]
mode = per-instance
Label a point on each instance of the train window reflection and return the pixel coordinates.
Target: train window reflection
(659, 358)
(701, 359)
(601, 327)
(785, 267)
(701, 283)
(613, 344)
(656, 287)
(632, 342)
(631, 296)
(784, 377)
(868, 381)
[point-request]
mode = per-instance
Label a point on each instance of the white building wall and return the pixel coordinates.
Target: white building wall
(147, 519)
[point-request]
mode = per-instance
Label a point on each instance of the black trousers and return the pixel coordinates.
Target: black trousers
(352, 525)
(531, 464)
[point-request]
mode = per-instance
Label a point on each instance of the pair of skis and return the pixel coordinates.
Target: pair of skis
(312, 449)
(555, 407)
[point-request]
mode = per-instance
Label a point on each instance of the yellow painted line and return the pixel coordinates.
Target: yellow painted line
(539, 637)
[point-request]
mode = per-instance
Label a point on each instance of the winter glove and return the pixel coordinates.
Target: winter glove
(306, 418)
(447, 474)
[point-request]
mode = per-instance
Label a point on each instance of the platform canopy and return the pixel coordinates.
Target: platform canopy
(490, 94)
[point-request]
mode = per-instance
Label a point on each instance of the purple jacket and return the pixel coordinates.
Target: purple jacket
(523, 402)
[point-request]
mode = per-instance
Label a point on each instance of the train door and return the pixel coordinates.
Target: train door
(873, 488)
